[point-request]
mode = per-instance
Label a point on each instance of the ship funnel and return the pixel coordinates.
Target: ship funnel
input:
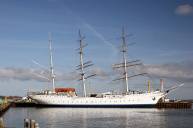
(149, 89)
(162, 89)
(161, 85)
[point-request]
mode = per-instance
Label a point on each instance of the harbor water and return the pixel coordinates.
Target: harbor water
(100, 117)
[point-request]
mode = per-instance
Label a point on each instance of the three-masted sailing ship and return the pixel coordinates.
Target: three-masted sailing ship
(68, 98)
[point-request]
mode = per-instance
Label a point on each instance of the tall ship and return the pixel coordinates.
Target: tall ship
(66, 97)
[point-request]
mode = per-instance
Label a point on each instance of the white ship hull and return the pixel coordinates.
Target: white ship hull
(131, 100)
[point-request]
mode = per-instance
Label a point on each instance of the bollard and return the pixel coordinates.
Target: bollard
(32, 123)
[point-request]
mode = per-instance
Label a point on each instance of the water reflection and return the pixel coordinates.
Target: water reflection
(89, 117)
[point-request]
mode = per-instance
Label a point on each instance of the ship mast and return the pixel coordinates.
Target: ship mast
(124, 51)
(83, 64)
(125, 64)
(52, 75)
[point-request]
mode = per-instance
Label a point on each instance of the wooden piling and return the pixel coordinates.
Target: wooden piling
(32, 123)
(26, 123)
(37, 125)
(29, 123)
(1, 123)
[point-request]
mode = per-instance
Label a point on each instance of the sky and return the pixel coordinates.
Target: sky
(161, 32)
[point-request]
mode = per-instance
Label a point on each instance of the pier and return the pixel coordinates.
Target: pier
(4, 106)
(24, 104)
(174, 105)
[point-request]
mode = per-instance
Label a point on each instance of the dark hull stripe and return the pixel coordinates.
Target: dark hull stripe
(99, 106)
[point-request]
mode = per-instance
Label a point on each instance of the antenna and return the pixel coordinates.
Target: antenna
(125, 64)
(52, 75)
(82, 64)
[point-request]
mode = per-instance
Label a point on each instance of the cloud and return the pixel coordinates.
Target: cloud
(99, 73)
(40, 75)
(185, 9)
(182, 71)
(19, 74)
(24, 74)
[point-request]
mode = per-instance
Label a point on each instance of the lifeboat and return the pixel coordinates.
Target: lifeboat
(67, 90)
